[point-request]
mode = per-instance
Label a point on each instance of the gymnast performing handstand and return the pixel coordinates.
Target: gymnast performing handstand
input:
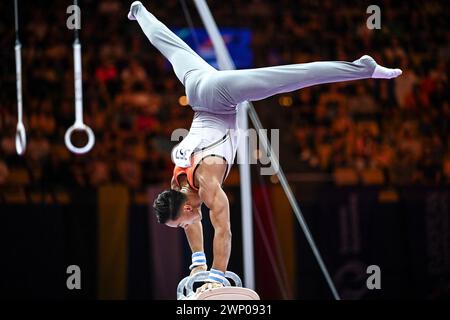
(204, 158)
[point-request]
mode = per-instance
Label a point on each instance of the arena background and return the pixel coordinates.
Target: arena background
(369, 160)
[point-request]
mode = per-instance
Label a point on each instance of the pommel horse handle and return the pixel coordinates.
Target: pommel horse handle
(228, 292)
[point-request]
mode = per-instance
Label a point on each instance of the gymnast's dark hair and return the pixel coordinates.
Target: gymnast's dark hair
(167, 204)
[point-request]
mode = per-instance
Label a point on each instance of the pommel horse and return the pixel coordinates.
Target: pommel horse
(185, 289)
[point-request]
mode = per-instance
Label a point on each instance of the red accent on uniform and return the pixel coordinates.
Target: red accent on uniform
(189, 172)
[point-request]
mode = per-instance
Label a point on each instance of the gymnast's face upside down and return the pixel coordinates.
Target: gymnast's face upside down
(177, 209)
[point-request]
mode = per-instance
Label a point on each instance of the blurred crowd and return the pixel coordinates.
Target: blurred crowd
(133, 101)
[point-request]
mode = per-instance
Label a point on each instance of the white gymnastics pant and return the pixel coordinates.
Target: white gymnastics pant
(219, 92)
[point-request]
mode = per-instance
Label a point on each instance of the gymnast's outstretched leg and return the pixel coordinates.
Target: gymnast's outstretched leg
(257, 84)
(216, 91)
(180, 55)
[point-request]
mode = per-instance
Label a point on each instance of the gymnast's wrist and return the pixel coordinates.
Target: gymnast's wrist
(198, 259)
(216, 276)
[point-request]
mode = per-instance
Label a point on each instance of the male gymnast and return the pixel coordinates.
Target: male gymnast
(204, 158)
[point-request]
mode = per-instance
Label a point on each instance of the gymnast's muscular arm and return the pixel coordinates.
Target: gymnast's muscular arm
(194, 234)
(211, 193)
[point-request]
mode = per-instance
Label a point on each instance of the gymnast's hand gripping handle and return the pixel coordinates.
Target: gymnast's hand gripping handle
(188, 282)
(203, 277)
(21, 138)
(78, 125)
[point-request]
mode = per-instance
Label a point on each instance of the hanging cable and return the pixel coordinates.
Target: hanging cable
(21, 138)
(78, 125)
